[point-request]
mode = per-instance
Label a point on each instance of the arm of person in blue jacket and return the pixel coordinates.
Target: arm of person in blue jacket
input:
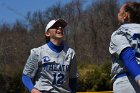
(73, 84)
(27, 81)
(130, 62)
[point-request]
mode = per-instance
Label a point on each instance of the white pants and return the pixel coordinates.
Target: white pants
(125, 84)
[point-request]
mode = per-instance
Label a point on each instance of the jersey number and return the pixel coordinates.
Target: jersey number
(58, 78)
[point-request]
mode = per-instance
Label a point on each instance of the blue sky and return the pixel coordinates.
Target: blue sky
(12, 10)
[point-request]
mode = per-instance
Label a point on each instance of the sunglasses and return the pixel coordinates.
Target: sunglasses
(57, 26)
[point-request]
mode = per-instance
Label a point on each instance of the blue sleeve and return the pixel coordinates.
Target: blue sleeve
(73, 84)
(129, 59)
(27, 82)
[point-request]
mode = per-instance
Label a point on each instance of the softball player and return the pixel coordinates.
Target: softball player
(51, 68)
(125, 50)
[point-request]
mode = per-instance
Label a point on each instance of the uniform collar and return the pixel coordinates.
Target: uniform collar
(56, 48)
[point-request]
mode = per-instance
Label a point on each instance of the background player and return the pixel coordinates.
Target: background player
(125, 50)
(52, 65)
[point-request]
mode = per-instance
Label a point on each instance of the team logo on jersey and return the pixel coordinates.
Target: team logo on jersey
(45, 59)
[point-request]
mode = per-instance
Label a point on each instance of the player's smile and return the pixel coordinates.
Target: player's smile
(60, 31)
(57, 32)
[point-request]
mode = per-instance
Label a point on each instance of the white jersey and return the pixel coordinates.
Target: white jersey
(128, 35)
(51, 70)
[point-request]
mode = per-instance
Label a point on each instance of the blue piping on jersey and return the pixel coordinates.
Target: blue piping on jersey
(129, 60)
(27, 82)
(56, 48)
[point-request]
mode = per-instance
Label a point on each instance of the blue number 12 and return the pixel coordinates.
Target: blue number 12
(58, 78)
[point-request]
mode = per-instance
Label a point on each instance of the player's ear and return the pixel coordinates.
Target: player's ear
(125, 15)
(47, 34)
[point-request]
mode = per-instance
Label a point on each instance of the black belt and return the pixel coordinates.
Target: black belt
(122, 75)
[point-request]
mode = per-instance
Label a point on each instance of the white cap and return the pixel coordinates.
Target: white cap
(62, 23)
